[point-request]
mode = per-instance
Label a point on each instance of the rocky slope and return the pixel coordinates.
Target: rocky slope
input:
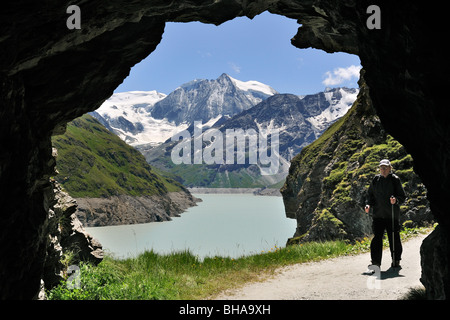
(327, 182)
(68, 243)
(111, 181)
(126, 209)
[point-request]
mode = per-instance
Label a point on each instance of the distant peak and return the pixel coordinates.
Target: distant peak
(224, 77)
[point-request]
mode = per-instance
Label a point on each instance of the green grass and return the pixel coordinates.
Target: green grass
(93, 162)
(181, 275)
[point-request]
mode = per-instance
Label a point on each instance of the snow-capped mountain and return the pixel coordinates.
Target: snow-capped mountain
(299, 119)
(339, 99)
(203, 100)
(150, 117)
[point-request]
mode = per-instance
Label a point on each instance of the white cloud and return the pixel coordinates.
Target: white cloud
(235, 67)
(339, 75)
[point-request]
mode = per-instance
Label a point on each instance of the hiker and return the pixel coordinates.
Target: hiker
(385, 195)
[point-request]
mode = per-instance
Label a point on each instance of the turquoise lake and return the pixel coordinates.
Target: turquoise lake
(230, 225)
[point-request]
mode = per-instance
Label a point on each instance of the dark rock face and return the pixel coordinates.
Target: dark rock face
(50, 75)
(435, 265)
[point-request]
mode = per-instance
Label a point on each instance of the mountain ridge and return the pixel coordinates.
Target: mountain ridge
(150, 117)
(285, 112)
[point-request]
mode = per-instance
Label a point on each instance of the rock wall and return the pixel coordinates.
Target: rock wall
(66, 236)
(50, 75)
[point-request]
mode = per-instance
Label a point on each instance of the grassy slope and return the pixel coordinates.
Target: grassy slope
(93, 162)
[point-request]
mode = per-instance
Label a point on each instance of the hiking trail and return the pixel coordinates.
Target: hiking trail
(338, 278)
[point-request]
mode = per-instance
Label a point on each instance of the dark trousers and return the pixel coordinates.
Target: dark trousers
(376, 246)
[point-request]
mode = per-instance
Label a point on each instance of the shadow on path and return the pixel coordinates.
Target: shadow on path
(382, 275)
(391, 273)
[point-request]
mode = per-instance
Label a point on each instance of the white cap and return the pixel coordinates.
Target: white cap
(385, 162)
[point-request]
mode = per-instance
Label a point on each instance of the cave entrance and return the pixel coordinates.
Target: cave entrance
(245, 50)
(403, 66)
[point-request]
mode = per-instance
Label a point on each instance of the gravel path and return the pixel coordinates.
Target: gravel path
(338, 279)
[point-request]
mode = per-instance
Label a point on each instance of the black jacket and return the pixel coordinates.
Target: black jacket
(379, 193)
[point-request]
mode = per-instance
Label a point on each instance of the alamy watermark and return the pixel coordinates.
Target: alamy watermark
(213, 147)
(74, 280)
(374, 20)
(74, 20)
(374, 281)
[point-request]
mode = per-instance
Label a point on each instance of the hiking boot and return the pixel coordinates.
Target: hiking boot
(396, 264)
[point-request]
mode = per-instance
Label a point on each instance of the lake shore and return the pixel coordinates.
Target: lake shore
(126, 209)
(255, 191)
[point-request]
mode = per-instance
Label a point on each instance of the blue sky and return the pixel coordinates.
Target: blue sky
(257, 49)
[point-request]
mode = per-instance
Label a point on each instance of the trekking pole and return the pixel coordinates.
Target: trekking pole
(393, 241)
